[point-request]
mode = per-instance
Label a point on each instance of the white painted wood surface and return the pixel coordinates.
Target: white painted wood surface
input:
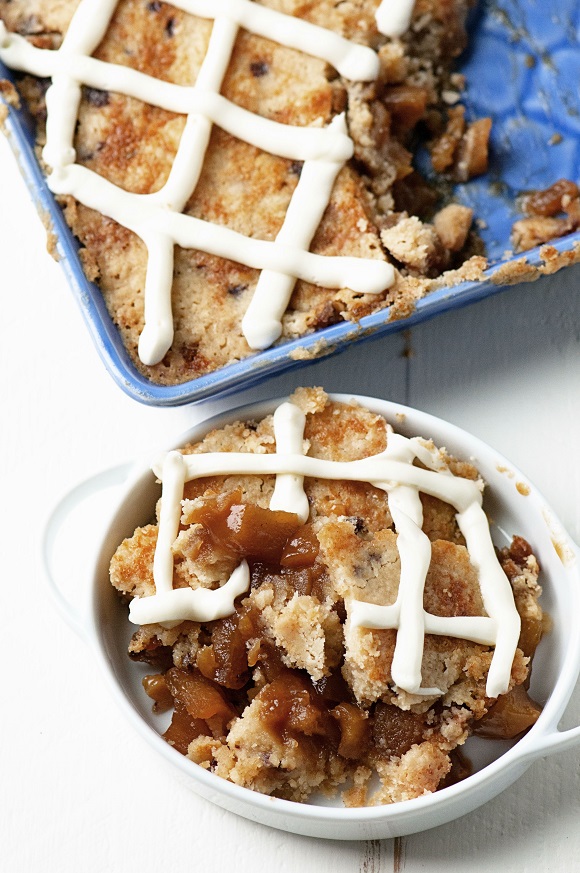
(78, 790)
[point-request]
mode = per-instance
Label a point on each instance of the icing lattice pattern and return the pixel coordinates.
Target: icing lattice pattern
(392, 471)
(158, 218)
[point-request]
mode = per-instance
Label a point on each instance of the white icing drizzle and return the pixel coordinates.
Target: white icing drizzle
(157, 335)
(262, 323)
(289, 495)
(393, 17)
(140, 212)
(496, 593)
(377, 470)
(415, 554)
(188, 604)
(393, 471)
(295, 143)
(157, 218)
(356, 62)
(64, 95)
(173, 482)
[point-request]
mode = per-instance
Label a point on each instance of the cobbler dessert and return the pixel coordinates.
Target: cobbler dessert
(247, 178)
(323, 608)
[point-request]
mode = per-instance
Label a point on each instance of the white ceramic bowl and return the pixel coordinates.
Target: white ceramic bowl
(512, 503)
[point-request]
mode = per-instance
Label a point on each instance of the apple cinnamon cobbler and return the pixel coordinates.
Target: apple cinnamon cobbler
(241, 173)
(323, 608)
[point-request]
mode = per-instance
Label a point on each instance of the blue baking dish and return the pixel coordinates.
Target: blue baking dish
(522, 68)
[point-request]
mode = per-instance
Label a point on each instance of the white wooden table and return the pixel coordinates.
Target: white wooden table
(79, 791)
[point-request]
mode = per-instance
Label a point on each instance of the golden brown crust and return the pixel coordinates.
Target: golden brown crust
(133, 145)
(551, 260)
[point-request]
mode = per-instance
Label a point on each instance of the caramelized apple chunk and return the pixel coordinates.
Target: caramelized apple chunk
(395, 730)
(293, 708)
(156, 688)
(245, 529)
(550, 201)
(199, 696)
(512, 715)
(462, 150)
(225, 661)
(354, 730)
(301, 550)
(183, 728)
(407, 105)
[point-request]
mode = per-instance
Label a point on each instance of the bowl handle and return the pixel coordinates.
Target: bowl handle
(65, 507)
(554, 741)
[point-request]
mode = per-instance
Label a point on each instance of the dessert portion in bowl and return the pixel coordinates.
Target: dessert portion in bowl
(324, 609)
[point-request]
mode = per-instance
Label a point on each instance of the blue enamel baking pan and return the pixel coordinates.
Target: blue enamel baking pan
(522, 68)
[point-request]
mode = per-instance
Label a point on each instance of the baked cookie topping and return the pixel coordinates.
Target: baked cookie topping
(157, 219)
(326, 601)
(233, 169)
